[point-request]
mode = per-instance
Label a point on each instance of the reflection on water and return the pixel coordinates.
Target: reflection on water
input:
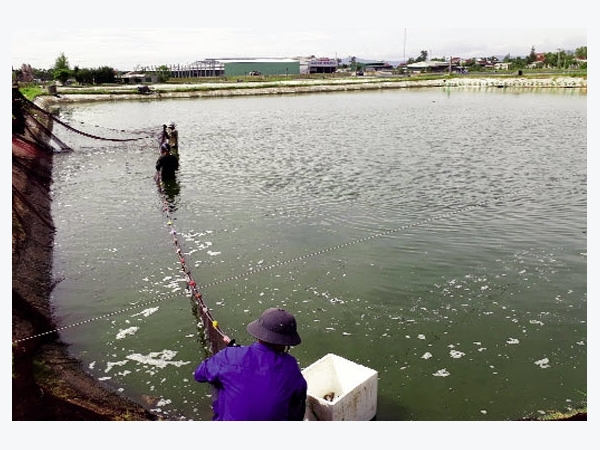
(437, 237)
(170, 189)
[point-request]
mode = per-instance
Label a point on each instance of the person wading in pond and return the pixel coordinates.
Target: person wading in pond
(173, 138)
(167, 164)
(261, 381)
(162, 137)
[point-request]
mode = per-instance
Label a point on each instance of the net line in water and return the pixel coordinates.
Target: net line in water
(213, 333)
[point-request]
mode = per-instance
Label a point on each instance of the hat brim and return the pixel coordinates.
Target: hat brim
(256, 330)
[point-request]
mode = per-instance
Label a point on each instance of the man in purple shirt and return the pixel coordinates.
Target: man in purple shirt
(261, 381)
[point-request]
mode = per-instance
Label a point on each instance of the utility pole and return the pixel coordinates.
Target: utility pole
(404, 55)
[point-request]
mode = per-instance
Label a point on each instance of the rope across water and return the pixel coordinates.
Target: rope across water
(211, 326)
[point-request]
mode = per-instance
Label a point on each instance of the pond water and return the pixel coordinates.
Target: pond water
(436, 236)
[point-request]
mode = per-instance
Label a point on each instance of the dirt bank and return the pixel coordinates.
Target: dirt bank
(46, 383)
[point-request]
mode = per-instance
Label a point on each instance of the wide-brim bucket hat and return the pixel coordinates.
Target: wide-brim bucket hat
(275, 326)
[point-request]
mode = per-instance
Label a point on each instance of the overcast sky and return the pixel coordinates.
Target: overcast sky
(243, 29)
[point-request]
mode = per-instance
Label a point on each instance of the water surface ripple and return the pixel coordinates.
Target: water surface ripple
(438, 237)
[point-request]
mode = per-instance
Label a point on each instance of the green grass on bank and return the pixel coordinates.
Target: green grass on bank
(31, 91)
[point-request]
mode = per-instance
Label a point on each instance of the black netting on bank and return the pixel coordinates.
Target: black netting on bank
(36, 124)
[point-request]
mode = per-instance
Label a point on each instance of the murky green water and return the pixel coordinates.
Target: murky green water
(438, 237)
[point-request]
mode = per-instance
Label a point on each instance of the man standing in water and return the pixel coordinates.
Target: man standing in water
(167, 164)
(162, 137)
(261, 381)
(173, 139)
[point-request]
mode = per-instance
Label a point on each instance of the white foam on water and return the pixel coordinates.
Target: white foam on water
(110, 365)
(127, 332)
(543, 363)
(441, 373)
(160, 359)
(426, 355)
(512, 341)
(146, 312)
(456, 354)
(163, 402)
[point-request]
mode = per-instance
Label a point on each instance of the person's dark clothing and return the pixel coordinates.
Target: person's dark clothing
(167, 165)
(254, 383)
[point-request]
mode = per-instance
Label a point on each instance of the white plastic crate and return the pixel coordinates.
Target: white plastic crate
(339, 389)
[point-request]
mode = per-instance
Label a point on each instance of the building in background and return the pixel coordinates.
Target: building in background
(236, 67)
(318, 65)
(260, 66)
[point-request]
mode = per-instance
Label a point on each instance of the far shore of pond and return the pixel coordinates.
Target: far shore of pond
(74, 94)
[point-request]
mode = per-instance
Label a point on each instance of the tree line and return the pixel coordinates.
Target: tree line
(62, 72)
(561, 59)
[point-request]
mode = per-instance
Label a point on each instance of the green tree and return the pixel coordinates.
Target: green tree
(518, 63)
(353, 62)
(551, 59)
(83, 76)
(61, 70)
(163, 73)
(532, 56)
(62, 75)
(61, 62)
(43, 74)
(104, 75)
(581, 52)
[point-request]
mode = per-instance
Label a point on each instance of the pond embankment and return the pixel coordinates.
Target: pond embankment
(228, 89)
(47, 384)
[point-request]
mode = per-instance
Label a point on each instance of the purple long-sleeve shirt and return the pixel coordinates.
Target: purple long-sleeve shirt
(254, 383)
